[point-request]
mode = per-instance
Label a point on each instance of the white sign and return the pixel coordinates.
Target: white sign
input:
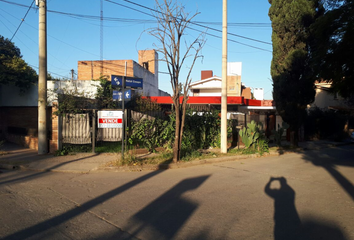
(110, 119)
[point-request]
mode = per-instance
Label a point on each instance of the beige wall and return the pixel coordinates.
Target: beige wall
(234, 85)
(324, 99)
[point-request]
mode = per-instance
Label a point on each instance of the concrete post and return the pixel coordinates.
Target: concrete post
(224, 81)
(42, 80)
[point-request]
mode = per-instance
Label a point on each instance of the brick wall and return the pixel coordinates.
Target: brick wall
(54, 141)
(88, 70)
(20, 125)
(268, 103)
(246, 93)
(206, 74)
(149, 60)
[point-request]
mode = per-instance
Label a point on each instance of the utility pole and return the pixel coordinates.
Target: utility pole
(101, 38)
(224, 80)
(72, 74)
(42, 79)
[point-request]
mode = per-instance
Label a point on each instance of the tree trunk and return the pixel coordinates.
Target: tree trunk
(294, 138)
(176, 145)
(183, 118)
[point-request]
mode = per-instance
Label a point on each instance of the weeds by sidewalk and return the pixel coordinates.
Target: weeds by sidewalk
(165, 157)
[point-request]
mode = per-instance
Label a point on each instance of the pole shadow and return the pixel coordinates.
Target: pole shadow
(165, 216)
(35, 231)
(39, 174)
(287, 223)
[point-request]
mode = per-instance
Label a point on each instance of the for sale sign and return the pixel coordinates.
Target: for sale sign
(110, 119)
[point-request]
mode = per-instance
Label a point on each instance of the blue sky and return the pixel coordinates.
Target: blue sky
(72, 38)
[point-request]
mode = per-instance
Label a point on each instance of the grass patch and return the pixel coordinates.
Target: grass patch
(108, 147)
(243, 151)
(101, 147)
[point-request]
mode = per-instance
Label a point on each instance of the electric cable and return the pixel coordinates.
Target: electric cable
(197, 24)
(22, 20)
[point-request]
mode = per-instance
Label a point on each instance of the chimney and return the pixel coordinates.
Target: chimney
(206, 74)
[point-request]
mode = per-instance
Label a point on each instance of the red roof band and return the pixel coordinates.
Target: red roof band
(209, 100)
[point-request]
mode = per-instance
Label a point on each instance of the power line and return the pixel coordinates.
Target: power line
(231, 40)
(22, 20)
(195, 23)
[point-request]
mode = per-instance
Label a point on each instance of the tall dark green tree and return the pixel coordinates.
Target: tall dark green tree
(13, 69)
(293, 79)
(332, 47)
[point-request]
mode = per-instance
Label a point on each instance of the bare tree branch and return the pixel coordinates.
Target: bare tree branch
(171, 33)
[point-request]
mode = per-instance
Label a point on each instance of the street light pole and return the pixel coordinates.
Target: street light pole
(42, 80)
(224, 81)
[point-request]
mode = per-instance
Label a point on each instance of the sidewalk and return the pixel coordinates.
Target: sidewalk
(27, 159)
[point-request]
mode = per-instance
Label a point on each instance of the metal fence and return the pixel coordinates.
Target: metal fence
(78, 128)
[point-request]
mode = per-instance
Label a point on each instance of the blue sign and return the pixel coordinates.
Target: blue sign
(117, 95)
(130, 82)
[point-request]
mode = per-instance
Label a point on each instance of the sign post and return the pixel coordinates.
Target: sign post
(118, 95)
(123, 130)
(130, 82)
(124, 82)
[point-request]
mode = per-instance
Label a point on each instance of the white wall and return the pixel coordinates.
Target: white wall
(258, 93)
(207, 84)
(82, 88)
(209, 92)
(234, 68)
(150, 80)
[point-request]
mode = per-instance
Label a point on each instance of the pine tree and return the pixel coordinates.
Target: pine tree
(332, 46)
(293, 79)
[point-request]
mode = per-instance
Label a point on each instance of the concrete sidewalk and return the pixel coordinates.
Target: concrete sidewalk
(27, 159)
(18, 157)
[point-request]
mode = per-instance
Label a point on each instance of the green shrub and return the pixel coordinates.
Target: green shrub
(325, 124)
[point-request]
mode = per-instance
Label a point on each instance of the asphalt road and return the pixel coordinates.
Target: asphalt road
(294, 196)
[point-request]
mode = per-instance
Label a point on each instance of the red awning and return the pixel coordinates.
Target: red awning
(210, 100)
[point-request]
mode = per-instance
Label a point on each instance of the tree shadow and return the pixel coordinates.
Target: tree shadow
(287, 223)
(329, 161)
(167, 214)
(42, 227)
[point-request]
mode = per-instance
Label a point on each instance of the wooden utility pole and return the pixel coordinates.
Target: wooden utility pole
(224, 80)
(42, 80)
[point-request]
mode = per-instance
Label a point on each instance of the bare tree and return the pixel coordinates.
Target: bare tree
(171, 34)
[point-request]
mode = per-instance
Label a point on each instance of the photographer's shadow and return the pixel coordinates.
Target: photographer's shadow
(287, 223)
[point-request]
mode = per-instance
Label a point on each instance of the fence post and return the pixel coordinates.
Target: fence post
(60, 133)
(93, 140)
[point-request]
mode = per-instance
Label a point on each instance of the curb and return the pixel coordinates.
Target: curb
(182, 164)
(9, 166)
(154, 167)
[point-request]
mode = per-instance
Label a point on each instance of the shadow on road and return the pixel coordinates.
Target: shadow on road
(42, 227)
(287, 223)
(329, 160)
(167, 214)
(39, 174)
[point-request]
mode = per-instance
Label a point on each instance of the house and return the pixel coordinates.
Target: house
(19, 112)
(325, 98)
(147, 68)
(210, 85)
(243, 105)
